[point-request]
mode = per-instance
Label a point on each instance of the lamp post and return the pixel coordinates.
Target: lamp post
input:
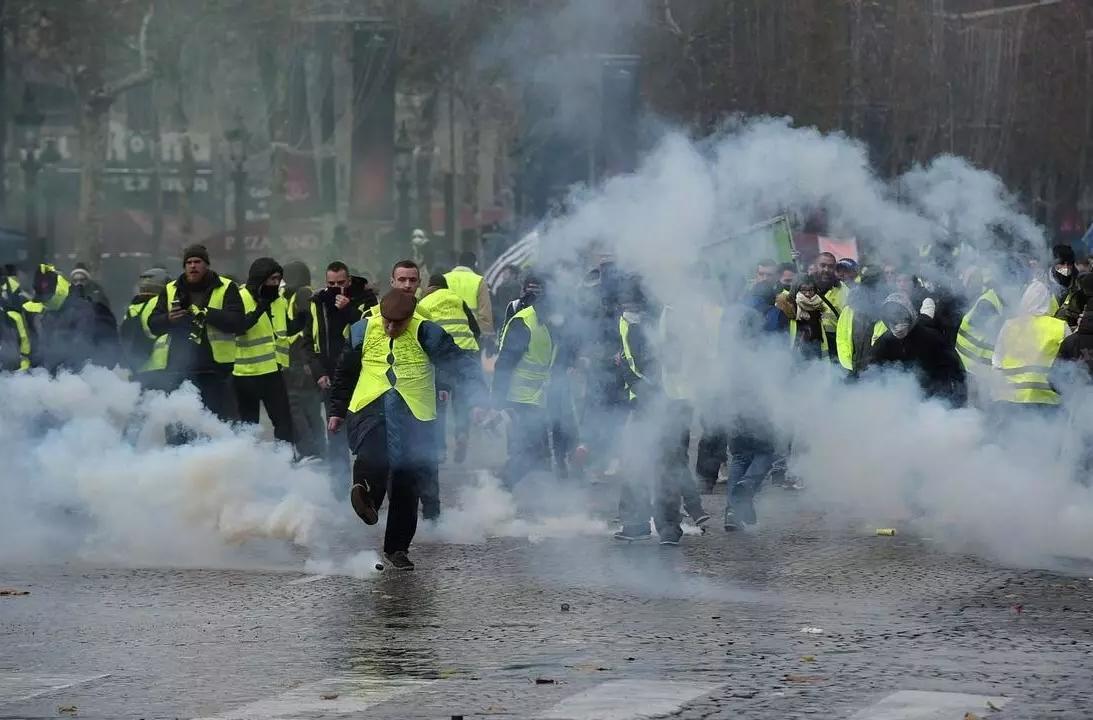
(29, 121)
(50, 157)
(237, 138)
(404, 160)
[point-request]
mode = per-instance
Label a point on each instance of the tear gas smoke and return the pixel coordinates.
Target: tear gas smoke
(90, 477)
(874, 447)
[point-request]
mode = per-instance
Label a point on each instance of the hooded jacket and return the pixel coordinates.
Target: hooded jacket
(325, 335)
(1078, 348)
(923, 352)
(71, 329)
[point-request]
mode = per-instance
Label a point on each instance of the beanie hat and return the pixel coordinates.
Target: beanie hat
(152, 280)
(195, 251)
(397, 306)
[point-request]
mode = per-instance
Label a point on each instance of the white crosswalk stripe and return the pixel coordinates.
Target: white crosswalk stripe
(629, 700)
(342, 695)
(16, 686)
(927, 705)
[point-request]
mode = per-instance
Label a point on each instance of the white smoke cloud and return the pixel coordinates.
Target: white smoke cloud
(89, 477)
(1009, 490)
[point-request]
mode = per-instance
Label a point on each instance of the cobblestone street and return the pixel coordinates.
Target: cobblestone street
(800, 618)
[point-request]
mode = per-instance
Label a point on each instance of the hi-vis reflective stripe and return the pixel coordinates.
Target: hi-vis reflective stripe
(253, 342)
(1039, 369)
(1031, 386)
(215, 334)
(448, 324)
(975, 341)
(256, 359)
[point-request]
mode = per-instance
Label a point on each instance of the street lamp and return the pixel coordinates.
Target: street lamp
(404, 160)
(237, 138)
(29, 121)
(51, 156)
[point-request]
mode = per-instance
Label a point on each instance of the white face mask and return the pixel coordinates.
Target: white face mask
(631, 317)
(1063, 270)
(901, 330)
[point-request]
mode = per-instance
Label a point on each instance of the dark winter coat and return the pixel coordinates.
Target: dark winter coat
(328, 328)
(408, 439)
(924, 353)
(72, 330)
(186, 356)
(1078, 348)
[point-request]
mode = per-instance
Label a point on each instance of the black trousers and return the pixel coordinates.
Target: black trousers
(269, 389)
(372, 468)
(528, 443)
(214, 388)
(306, 404)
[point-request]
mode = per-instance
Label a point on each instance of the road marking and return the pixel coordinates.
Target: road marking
(16, 686)
(926, 705)
(629, 700)
(308, 579)
(354, 694)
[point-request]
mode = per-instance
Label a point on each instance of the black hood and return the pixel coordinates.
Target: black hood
(296, 275)
(260, 271)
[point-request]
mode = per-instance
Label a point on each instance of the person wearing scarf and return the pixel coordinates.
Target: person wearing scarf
(809, 317)
(914, 347)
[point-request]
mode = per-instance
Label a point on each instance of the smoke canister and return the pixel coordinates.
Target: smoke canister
(886, 532)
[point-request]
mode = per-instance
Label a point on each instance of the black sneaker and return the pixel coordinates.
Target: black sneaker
(669, 541)
(398, 560)
(632, 537)
(362, 504)
(731, 523)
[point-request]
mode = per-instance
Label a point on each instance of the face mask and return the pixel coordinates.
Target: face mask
(900, 330)
(270, 292)
(787, 285)
(1063, 270)
(631, 317)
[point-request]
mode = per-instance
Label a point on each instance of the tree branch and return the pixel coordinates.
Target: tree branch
(104, 96)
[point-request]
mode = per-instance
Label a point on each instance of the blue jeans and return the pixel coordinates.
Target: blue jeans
(747, 470)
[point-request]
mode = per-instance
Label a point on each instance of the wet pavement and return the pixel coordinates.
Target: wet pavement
(806, 616)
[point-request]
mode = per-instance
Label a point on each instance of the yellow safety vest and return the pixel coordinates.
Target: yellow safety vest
(532, 373)
(844, 337)
(444, 307)
(465, 284)
(290, 303)
(1029, 345)
(837, 297)
(144, 310)
(222, 343)
(259, 351)
(405, 360)
(973, 345)
(24, 339)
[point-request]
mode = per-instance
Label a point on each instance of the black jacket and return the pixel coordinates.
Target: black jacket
(190, 351)
(331, 324)
(925, 353)
(1078, 348)
(78, 331)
